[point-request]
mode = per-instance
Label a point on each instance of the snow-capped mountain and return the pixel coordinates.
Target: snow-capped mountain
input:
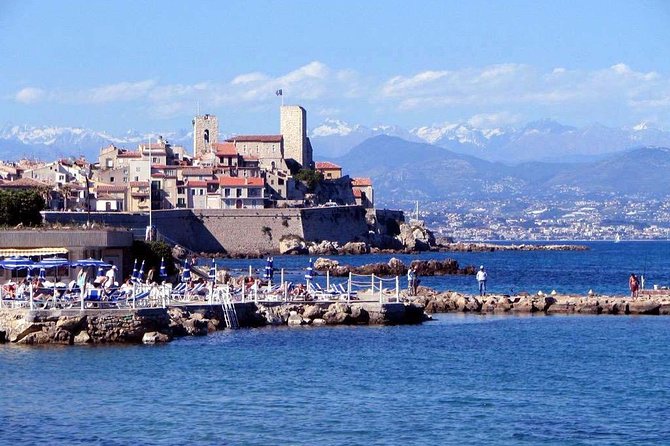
(334, 137)
(52, 142)
(543, 140)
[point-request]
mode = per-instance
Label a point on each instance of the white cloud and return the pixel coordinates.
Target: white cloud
(29, 95)
(521, 91)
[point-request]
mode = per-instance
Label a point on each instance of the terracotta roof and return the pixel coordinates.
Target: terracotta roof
(255, 138)
(196, 183)
(129, 155)
(357, 193)
(326, 165)
(198, 171)
(139, 183)
(110, 188)
(24, 183)
(361, 182)
(240, 182)
(140, 194)
(225, 149)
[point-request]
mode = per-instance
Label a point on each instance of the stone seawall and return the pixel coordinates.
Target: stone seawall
(237, 231)
(71, 327)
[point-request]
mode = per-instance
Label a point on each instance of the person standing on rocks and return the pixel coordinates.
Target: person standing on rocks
(481, 280)
(411, 281)
(633, 284)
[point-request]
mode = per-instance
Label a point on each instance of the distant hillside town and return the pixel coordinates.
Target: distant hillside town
(241, 172)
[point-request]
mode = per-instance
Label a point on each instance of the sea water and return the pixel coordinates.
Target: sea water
(462, 379)
(603, 268)
(458, 380)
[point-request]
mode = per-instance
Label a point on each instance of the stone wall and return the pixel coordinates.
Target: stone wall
(238, 231)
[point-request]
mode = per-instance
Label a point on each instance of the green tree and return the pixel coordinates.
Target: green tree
(310, 177)
(152, 253)
(21, 206)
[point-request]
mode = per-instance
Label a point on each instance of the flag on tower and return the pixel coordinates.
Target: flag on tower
(279, 92)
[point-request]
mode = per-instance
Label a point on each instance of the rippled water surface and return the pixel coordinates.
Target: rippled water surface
(603, 268)
(457, 380)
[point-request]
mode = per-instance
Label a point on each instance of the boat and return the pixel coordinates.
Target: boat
(617, 238)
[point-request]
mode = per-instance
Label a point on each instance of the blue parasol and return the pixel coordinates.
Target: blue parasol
(140, 272)
(134, 275)
(90, 262)
(309, 271)
(269, 269)
(16, 262)
(212, 271)
(186, 272)
(162, 273)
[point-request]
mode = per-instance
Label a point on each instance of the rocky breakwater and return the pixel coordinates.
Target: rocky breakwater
(341, 313)
(448, 302)
(74, 327)
(394, 267)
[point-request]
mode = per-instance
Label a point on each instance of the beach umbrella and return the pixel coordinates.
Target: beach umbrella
(51, 262)
(269, 269)
(140, 272)
(162, 273)
(16, 262)
(186, 272)
(90, 263)
(134, 275)
(309, 271)
(212, 271)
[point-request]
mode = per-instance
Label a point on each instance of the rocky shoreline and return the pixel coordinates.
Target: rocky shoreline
(394, 267)
(158, 325)
(453, 302)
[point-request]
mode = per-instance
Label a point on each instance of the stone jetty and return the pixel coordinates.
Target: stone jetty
(452, 302)
(157, 325)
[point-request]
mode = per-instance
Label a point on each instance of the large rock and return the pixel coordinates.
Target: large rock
(154, 337)
(72, 324)
(326, 247)
(23, 329)
(355, 248)
(292, 244)
(82, 338)
(312, 312)
(415, 236)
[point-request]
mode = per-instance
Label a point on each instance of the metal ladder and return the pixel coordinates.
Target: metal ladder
(229, 313)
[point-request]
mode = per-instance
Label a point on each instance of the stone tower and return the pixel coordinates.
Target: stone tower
(293, 128)
(205, 133)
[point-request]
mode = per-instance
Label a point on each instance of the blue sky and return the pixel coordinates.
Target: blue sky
(145, 65)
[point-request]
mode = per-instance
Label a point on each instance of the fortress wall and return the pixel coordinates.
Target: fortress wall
(238, 231)
(341, 223)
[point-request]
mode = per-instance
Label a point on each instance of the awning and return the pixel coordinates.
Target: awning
(30, 252)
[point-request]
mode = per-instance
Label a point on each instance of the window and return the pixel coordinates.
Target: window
(206, 135)
(238, 192)
(181, 203)
(202, 191)
(111, 179)
(226, 192)
(109, 163)
(192, 191)
(137, 179)
(138, 169)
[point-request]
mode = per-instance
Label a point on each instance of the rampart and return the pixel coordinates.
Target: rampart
(237, 231)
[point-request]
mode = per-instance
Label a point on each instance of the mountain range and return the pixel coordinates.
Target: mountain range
(543, 140)
(403, 170)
